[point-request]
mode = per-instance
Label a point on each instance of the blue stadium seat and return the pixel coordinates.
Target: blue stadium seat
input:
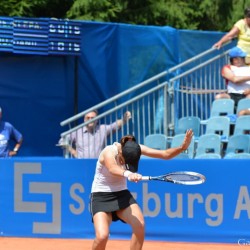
(219, 125)
(222, 107)
(208, 143)
(243, 104)
(189, 122)
(237, 156)
(208, 156)
(238, 144)
(242, 125)
(177, 141)
(157, 141)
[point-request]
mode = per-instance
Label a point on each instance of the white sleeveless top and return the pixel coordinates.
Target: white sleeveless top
(239, 87)
(104, 181)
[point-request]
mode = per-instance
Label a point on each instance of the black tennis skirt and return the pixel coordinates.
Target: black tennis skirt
(110, 202)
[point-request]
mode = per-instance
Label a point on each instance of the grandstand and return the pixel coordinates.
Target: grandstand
(158, 103)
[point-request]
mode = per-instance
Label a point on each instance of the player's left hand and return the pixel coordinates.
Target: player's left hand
(187, 140)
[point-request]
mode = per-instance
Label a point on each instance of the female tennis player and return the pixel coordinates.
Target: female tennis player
(110, 198)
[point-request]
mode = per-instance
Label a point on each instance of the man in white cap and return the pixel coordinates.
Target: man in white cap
(7, 133)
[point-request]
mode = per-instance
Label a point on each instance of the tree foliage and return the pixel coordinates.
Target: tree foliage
(97, 10)
(181, 14)
(35, 8)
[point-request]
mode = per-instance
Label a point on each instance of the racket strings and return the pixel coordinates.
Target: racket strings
(182, 177)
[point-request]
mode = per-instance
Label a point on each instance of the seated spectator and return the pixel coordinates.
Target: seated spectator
(89, 141)
(237, 76)
(8, 133)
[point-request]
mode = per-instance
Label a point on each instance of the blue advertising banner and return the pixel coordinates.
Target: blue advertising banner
(49, 197)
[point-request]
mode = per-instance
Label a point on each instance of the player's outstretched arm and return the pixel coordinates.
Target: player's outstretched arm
(171, 152)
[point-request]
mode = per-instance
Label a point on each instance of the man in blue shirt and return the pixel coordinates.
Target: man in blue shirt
(8, 133)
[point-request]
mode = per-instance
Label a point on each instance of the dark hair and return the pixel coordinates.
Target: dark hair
(232, 58)
(126, 138)
(247, 12)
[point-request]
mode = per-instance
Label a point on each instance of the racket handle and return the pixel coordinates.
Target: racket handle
(145, 178)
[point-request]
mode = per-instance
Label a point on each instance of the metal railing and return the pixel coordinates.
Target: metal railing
(187, 89)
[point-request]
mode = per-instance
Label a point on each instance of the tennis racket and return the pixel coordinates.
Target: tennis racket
(182, 177)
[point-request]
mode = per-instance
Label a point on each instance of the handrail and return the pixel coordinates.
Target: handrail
(116, 108)
(137, 97)
(142, 84)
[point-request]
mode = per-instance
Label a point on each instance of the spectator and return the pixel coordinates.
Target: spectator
(110, 198)
(88, 142)
(237, 76)
(7, 134)
(241, 30)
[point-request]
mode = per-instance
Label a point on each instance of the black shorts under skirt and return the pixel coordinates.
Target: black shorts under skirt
(110, 202)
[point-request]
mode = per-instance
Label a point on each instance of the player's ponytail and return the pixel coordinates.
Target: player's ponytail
(126, 138)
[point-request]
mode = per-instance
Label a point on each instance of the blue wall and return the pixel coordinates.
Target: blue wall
(38, 92)
(48, 197)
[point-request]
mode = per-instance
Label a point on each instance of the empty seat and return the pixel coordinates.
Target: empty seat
(242, 125)
(177, 141)
(243, 104)
(189, 122)
(222, 107)
(157, 141)
(208, 143)
(219, 125)
(208, 156)
(238, 144)
(237, 156)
